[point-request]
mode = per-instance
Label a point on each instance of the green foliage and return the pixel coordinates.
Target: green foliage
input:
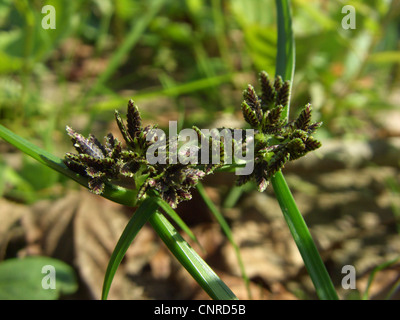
(190, 260)
(285, 65)
(372, 275)
(142, 214)
(199, 269)
(21, 279)
(195, 57)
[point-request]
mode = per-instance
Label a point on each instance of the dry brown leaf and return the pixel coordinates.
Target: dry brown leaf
(82, 229)
(98, 226)
(10, 223)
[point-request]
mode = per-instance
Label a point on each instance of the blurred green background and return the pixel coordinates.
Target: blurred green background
(183, 60)
(186, 60)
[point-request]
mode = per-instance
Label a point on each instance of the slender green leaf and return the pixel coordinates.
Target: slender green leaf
(111, 192)
(39, 154)
(285, 57)
(173, 91)
(138, 27)
(233, 196)
(385, 57)
(378, 268)
(140, 217)
(190, 260)
(285, 68)
(174, 216)
(225, 227)
(301, 235)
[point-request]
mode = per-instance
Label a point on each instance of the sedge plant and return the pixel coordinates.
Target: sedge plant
(121, 171)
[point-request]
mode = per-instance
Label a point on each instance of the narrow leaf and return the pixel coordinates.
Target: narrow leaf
(112, 192)
(174, 216)
(302, 237)
(140, 217)
(225, 227)
(285, 58)
(285, 68)
(190, 260)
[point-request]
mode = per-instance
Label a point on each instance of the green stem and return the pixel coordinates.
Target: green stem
(140, 217)
(200, 271)
(225, 227)
(190, 260)
(285, 56)
(285, 64)
(302, 237)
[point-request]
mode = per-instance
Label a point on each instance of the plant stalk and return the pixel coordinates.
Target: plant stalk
(285, 65)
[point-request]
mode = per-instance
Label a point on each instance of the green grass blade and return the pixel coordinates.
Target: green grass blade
(190, 260)
(285, 57)
(301, 235)
(233, 196)
(225, 227)
(201, 272)
(285, 64)
(109, 103)
(138, 27)
(371, 277)
(38, 154)
(174, 216)
(111, 192)
(140, 217)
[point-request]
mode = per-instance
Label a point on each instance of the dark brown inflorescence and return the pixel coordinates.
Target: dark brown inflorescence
(275, 143)
(129, 165)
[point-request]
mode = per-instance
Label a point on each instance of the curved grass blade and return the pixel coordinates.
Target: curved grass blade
(371, 277)
(285, 56)
(138, 27)
(140, 217)
(301, 235)
(201, 272)
(190, 260)
(225, 227)
(174, 216)
(111, 192)
(109, 102)
(285, 64)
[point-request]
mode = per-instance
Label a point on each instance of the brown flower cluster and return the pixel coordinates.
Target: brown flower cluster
(114, 163)
(276, 142)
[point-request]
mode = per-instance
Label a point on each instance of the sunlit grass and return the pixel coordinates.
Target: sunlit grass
(206, 50)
